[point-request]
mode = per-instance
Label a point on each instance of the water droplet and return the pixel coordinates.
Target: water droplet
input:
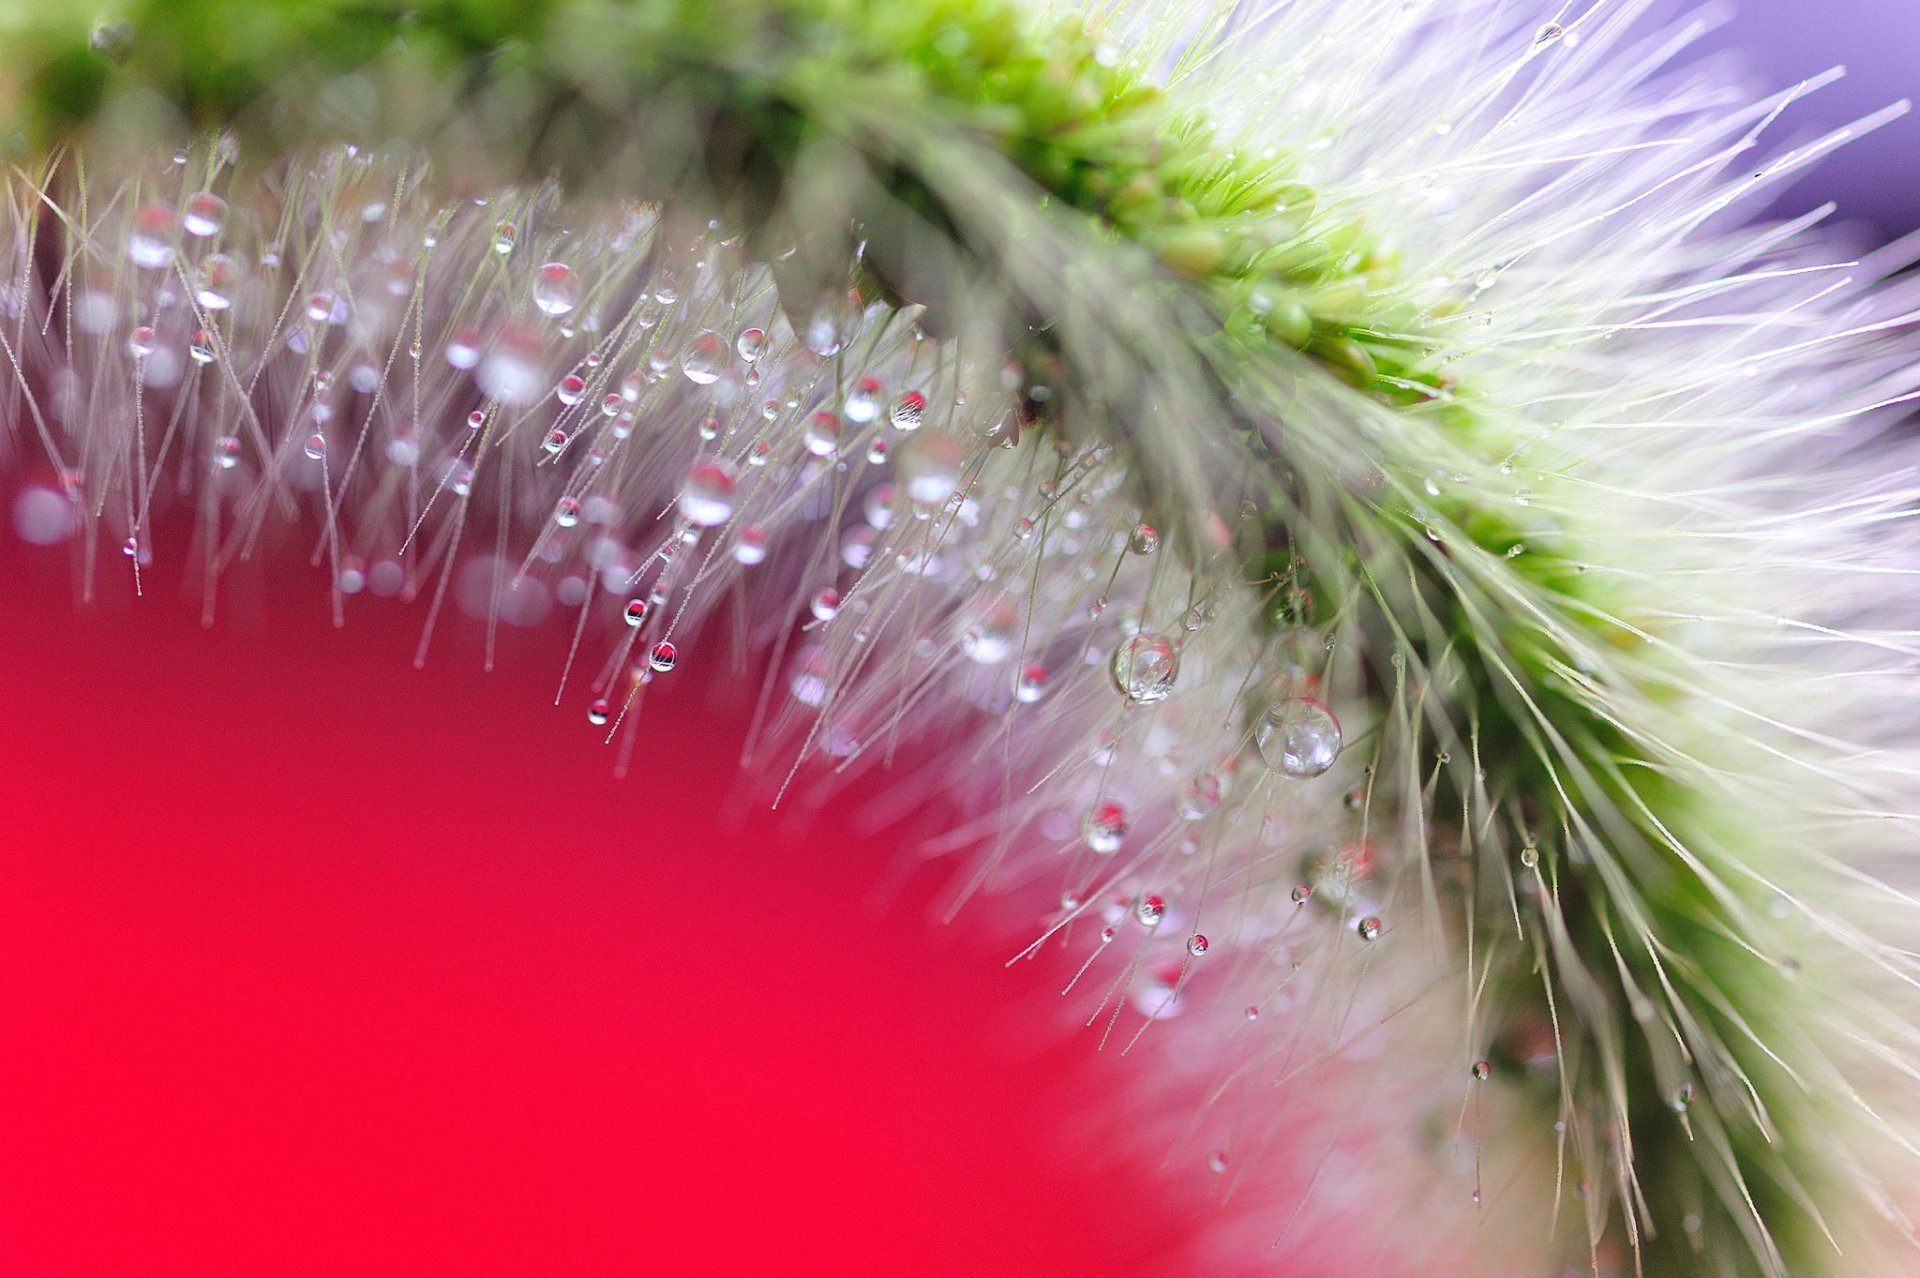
(1150, 911)
(877, 452)
(1197, 945)
(1530, 856)
(512, 371)
(908, 411)
(316, 446)
(226, 452)
(706, 499)
(832, 324)
(863, 405)
(611, 405)
(931, 465)
(1548, 34)
(1144, 540)
(150, 241)
(130, 547)
(706, 358)
(206, 214)
(1032, 684)
(505, 236)
(201, 347)
(1216, 1161)
(460, 477)
(217, 280)
(822, 435)
(1106, 933)
(1301, 894)
(598, 712)
(1482, 1071)
(1200, 797)
(1145, 666)
(140, 341)
(463, 348)
(566, 512)
(751, 343)
(1368, 928)
(1683, 1098)
(555, 440)
(1104, 828)
(570, 390)
(826, 604)
(555, 291)
(1299, 738)
(663, 656)
(751, 548)
(636, 612)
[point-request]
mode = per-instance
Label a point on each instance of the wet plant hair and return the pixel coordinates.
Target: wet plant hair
(1413, 584)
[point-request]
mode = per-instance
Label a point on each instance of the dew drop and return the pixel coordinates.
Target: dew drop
(826, 604)
(1548, 34)
(555, 440)
(598, 712)
(611, 404)
(476, 419)
(1368, 928)
(750, 344)
(463, 348)
(1216, 1162)
(206, 214)
(663, 656)
(1299, 738)
(1145, 666)
(570, 390)
(1482, 1071)
(877, 452)
(1530, 856)
(566, 512)
(150, 242)
(505, 236)
(1032, 684)
(217, 280)
(822, 435)
(201, 347)
(460, 478)
(316, 446)
(1683, 1098)
(706, 358)
(226, 452)
(140, 342)
(1200, 797)
(706, 499)
(636, 612)
(1197, 945)
(932, 465)
(1104, 828)
(1301, 894)
(863, 405)
(751, 548)
(832, 325)
(1144, 540)
(555, 290)
(908, 411)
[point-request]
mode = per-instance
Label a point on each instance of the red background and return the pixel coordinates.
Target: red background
(311, 962)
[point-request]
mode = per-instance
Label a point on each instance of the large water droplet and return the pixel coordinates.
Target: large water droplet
(908, 411)
(1145, 666)
(555, 290)
(663, 657)
(226, 452)
(863, 405)
(822, 435)
(932, 465)
(150, 241)
(1299, 737)
(1144, 540)
(206, 214)
(706, 499)
(706, 359)
(1104, 828)
(750, 344)
(832, 324)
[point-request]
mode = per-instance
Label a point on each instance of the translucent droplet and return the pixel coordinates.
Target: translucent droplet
(1482, 1071)
(476, 419)
(217, 280)
(505, 236)
(130, 547)
(1299, 738)
(206, 214)
(1368, 928)
(140, 341)
(1200, 797)
(555, 440)
(706, 359)
(611, 405)
(460, 478)
(832, 324)
(1145, 666)
(826, 604)
(750, 344)
(1530, 856)
(1301, 894)
(463, 348)
(932, 465)
(598, 712)
(662, 657)
(201, 347)
(822, 435)
(1104, 828)
(512, 372)
(555, 291)
(1144, 540)
(566, 512)
(1150, 911)
(1548, 34)
(706, 499)
(226, 452)
(636, 612)
(1683, 1098)
(150, 241)
(863, 405)
(1032, 684)
(908, 411)
(570, 390)
(316, 446)
(751, 548)
(1197, 945)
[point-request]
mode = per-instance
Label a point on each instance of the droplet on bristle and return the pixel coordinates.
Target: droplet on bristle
(463, 349)
(1197, 945)
(832, 324)
(825, 604)
(908, 411)
(201, 347)
(1105, 828)
(570, 390)
(1144, 667)
(217, 280)
(706, 499)
(566, 512)
(863, 405)
(705, 360)
(750, 344)
(505, 236)
(1144, 540)
(636, 612)
(205, 216)
(1298, 737)
(751, 548)
(460, 477)
(598, 712)
(151, 240)
(226, 452)
(556, 439)
(1150, 911)
(316, 446)
(1368, 928)
(663, 657)
(555, 291)
(1200, 797)
(822, 435)
(512, 371)
(1482, 1071)
(1032, 684)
